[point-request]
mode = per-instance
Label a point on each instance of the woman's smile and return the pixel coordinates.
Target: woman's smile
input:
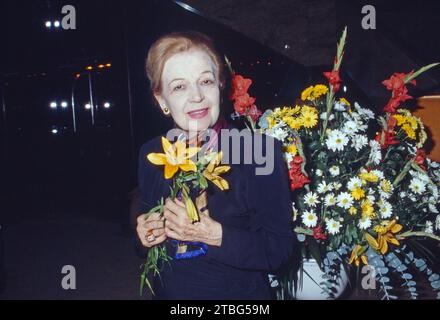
(198, 113)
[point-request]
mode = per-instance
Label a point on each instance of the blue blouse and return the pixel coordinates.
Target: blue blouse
(256, 218)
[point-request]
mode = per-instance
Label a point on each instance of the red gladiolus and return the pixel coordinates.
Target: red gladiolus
(318, 233)
(334, 79)
(297, 178)
(389, 139)
(396, 84)
(420, 158)
(240, 86)
(298, 181)
(254, 113)
(242, 103)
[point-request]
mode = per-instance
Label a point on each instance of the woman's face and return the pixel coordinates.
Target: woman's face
(191, 90)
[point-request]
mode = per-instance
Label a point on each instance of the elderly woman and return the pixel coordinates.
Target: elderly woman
(248, 229)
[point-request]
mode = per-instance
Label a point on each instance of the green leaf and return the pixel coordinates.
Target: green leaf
(420, 71)
(203, 182)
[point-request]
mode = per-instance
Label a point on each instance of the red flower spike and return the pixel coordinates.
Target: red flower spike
(334, 79)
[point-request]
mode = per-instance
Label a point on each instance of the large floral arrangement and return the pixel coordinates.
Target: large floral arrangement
(364, 192)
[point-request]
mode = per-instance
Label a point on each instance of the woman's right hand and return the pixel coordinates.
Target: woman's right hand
(151, 230)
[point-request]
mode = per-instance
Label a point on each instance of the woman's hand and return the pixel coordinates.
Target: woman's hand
(151, 230)
(179, 227)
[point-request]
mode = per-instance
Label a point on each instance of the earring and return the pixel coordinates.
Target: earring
(166, 111)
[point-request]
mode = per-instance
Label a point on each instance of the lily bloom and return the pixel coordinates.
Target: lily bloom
(177, 156)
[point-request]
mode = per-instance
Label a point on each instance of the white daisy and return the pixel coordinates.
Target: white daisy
(364, 223)
(350, 127)
(437, 222)
(309, 219)
(277, 133)
(319, 172)
(339, 106)
(311, 199)
(354, 183)
(379, 174)
(385, 209)
(333, 226)
(334, 171)
(432, 205)
(336, 140)
(386, 188)
(359, 141)
(366, 113)
(330, 200)
(323, 116)
(417, 186)
(375, 153)
(323, 187)
(345, 200)
(337, 185)
(429, 228)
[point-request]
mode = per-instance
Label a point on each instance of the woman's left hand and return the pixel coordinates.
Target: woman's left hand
(179, 227)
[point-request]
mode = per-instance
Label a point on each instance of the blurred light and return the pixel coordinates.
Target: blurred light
(286, 46)
(56, 24)
(101, 66)
(53, 105)
(89, 68)
(64, 104)
(54, 131)
(344, 88)
(48, 24)
(107, 105)
(78, 75)
(108, 65)
(88, 106)
(187, 7)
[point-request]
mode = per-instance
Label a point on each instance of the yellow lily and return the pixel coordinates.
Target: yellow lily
(189, 204)
(213, 172)
(385, 235)
(177, 156)
(357, 255)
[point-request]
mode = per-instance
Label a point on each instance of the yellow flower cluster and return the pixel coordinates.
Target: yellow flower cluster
(292, 149)
(359, 194)
(314, 92)
(295, 117)
(345, 101)
(410, 124)
(368, 177)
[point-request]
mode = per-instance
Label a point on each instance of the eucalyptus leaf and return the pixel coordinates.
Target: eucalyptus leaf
(433, 277)
(401, 268)
(435, 284)
(407, 276)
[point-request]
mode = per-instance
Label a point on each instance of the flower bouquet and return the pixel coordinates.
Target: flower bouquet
(364, 192)
(189, 177)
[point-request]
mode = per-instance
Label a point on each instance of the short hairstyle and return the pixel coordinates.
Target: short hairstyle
(172, 43)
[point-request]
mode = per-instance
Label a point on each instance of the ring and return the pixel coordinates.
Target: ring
(150, 236)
